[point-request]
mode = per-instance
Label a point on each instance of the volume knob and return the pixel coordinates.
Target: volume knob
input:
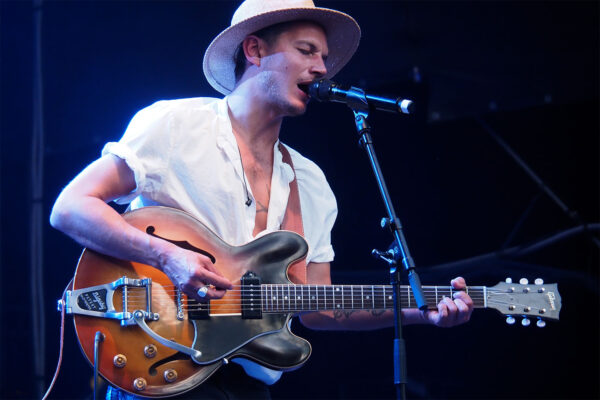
(170, 375)
(139, 384)
(120, 360)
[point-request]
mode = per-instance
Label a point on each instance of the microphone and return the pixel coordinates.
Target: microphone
(326, 90)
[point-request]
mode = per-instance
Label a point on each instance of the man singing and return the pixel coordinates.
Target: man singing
(221, 161)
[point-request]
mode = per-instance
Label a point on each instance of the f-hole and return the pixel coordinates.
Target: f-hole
(184, 244)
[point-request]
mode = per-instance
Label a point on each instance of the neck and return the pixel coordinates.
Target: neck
(255, 124)
(293, 298)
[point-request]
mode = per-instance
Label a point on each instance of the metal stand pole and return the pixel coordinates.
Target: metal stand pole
(97, 339)
(357, 101)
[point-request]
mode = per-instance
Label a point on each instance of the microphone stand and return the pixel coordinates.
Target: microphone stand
(357, 102)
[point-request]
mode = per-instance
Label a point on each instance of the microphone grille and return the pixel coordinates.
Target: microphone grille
(320, 89)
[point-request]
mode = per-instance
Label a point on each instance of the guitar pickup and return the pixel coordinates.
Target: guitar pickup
(97, 301)
(251, 296)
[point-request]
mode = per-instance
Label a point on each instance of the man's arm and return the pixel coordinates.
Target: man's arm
(450, 312)
(81, 211)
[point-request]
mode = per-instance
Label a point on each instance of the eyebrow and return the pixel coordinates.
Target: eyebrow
(312, 47)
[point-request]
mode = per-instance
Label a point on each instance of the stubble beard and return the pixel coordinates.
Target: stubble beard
(275, 92)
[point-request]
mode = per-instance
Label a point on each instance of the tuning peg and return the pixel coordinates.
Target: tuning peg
(539, 281)
(525, 322)
(508, 280)
(523, 281)
(510, 320)
(540, 323)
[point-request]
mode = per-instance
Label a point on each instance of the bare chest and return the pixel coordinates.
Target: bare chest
(259, 179)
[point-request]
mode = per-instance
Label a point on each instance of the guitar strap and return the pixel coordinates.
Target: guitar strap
(292, 220)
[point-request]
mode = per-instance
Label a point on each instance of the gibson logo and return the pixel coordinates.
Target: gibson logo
(551, 298)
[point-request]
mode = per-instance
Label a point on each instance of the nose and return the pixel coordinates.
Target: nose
(318, 69)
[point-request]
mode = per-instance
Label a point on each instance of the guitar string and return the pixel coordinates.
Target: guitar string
(141, 293)
(237, 303)
(162, 298)
(320, 289)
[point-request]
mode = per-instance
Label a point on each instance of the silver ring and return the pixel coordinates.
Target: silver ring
(202, 291)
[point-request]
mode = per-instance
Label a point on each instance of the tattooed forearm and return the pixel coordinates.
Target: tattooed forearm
(338, 314)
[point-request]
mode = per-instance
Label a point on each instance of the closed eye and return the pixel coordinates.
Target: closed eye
(306, 52)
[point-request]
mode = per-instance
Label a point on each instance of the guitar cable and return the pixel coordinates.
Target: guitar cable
(62, 340)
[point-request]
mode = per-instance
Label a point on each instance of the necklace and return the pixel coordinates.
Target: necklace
(248, 201)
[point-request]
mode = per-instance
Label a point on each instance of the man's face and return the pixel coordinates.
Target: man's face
(296, 58)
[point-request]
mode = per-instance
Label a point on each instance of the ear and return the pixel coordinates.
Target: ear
(253, 48)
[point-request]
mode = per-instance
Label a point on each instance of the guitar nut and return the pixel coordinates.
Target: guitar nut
(139, 384)
(150, 351)
(170, 375)
(119, 360)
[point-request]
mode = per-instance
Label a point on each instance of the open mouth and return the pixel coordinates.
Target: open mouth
(303, 87)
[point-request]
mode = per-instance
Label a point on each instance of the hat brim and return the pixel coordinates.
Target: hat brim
(343, 35)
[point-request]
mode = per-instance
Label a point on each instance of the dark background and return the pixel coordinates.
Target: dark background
(529, 70)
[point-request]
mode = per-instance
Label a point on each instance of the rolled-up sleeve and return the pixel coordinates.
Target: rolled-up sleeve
(145, 147)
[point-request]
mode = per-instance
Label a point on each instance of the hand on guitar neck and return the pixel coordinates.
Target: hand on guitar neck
(451, 312)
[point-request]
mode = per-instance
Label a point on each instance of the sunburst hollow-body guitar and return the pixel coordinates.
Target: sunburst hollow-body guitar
(159, 343)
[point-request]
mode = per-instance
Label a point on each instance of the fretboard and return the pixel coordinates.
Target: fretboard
(290, 298)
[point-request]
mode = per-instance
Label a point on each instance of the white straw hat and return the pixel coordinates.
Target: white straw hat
(343, 35)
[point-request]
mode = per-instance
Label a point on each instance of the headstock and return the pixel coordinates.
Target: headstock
(528, 300)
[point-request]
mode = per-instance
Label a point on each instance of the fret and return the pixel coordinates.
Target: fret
(485, 296)
(324, 297)
(384, 305)
(304, 298)
(289, 299)
(295, 297)
(263, 296)
(271, 296)
(317, 296)
(362, 296)
(335, 300)
(450, 291)
(352, 296)
(347, 297)
(373, 295)
(436, 296)
(408, 295)
(280, 302)
(380, 299)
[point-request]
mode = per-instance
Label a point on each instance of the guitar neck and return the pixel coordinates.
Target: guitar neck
(294, 298)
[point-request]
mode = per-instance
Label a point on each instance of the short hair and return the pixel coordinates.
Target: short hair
(270, 34)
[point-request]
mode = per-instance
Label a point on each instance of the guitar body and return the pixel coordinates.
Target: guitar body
(223, 335)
